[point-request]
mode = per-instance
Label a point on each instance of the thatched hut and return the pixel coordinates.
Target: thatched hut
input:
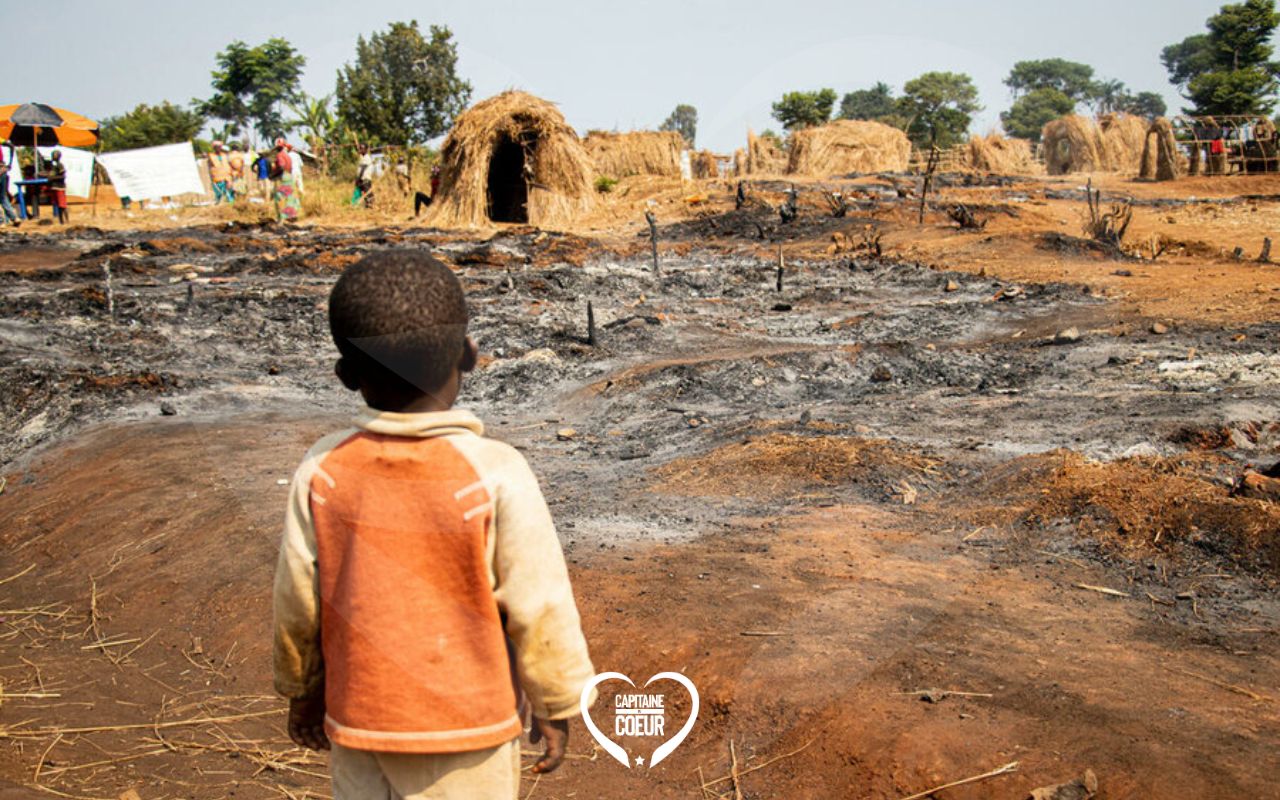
(999, 155)
(1161, 160)
(846, 146)
(704, 164)
(764, 157)
(512, 158)
(1112, 143)
(620, 155)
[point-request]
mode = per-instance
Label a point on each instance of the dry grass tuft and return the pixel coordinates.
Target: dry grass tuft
(782, 463)
(1143, 504)
(1111, 143)
(764, 157)
(621, 155)
(1000, 155)
(845, 146)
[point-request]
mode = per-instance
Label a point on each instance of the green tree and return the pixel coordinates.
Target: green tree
(1071, 78)
(1229, 69)
(1143, 104)
(251, 84)
(403, 88)
(939, 106)
(876, 103)
(1033, 110)
(148, 126)
(312, 116)
(804, 109)
(684, 121)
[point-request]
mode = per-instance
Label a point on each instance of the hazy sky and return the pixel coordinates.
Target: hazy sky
(607, 65)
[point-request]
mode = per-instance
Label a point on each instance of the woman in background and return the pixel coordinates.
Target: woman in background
(288, 202)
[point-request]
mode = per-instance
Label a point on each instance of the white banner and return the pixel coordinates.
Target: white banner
(154, 172)
(79, 164)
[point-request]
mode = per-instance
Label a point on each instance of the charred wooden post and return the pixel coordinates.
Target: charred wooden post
(740, 199)
(653, 238)
(591, 325)
(1265, 256)
(791, 208)
(781, 267)
(930, 168)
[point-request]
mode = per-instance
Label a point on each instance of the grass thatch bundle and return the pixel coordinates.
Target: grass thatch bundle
(1160, 158)
(739, 163)
(1123, 136)
(512, 158)
(847, 146)
(1000, 155)
(704, 164)
(1080, 144)
(764, 157)
(621, 155)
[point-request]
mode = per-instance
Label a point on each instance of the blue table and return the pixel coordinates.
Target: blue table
(22, 197)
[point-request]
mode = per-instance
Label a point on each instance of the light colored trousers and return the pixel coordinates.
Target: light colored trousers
(492, 774)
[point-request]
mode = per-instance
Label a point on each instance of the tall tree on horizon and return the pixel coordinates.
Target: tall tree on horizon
(684, 121)
(251, 84)
(403, 88)
(1229, 69)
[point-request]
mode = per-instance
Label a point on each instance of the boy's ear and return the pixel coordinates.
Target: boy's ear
(470, 355)
(342, 368)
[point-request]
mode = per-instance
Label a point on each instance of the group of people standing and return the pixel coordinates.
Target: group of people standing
(277, 171)
(47, 177)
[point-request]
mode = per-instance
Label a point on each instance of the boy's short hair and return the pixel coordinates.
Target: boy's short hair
(400, 319)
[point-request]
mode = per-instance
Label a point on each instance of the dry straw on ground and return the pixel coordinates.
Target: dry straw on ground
(1112, 143)
(847, 146)
(1000, 155)
(620, 155)
(780, 464)
(560, 188)
(1139, 505)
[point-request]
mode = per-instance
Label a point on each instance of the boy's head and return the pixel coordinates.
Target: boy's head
(399, 320)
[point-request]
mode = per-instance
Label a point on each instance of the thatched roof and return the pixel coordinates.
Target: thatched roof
(1112, 143)
(848, 145)
(999, 155)
(620, 155)
(560, 174)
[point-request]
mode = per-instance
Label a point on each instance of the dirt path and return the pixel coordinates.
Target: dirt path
(867, 603)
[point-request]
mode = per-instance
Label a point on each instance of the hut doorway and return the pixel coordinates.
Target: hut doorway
(508, 184)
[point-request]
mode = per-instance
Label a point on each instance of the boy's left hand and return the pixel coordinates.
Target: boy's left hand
(306, 723)
(555, 732)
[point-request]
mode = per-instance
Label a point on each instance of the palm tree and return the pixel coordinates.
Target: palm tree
(313, 117)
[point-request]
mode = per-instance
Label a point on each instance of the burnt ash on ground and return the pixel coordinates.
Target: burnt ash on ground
(968, 370)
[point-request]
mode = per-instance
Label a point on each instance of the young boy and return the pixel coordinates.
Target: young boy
(420, 584)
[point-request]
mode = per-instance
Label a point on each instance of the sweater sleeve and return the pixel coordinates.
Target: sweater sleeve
(297, 657)
(532, 588)
(299, 666)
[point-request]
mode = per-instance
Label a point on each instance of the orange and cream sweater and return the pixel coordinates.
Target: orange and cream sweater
(415, 549)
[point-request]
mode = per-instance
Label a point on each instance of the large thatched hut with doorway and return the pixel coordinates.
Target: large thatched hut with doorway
(512, 158)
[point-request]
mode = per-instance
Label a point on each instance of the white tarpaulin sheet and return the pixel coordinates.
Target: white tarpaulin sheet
(79, 164)
(154, 172)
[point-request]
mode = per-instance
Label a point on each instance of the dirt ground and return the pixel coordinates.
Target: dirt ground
(921, 504)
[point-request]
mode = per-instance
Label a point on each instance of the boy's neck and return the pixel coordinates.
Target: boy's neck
(416, 402)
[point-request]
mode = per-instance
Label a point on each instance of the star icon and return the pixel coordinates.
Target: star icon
(639, 760)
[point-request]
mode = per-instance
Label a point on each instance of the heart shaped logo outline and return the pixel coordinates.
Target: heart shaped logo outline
(616, 750)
